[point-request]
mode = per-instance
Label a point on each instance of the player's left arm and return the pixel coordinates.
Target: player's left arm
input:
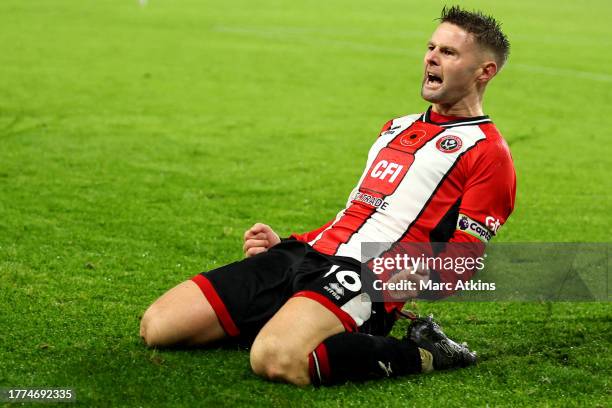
(486, 204)
(490, 190)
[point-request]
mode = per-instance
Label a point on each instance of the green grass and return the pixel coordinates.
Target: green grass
(138, 143)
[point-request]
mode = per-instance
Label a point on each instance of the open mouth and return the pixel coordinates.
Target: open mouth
(432, 80)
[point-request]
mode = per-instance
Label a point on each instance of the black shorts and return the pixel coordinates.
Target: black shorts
(247, 293)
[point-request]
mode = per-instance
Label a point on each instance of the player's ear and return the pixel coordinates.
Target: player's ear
(488, 69)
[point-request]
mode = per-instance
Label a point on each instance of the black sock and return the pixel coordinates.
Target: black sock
(358, 357)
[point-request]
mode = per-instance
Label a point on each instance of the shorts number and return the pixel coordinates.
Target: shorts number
(343, 277)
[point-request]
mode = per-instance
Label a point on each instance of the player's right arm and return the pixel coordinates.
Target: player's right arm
(312, 235)
(259, 238)
(309, 236)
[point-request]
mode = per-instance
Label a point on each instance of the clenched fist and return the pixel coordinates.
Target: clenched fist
(259, 238)
(409, 280)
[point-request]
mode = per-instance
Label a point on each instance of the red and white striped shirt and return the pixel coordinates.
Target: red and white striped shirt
(428, 178)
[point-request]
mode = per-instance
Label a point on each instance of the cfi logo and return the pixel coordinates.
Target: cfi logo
(449, 144)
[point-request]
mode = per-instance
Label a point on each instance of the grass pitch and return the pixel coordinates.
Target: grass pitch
(138, 140)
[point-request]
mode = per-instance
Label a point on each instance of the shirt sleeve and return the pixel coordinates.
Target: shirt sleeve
(487, 202)
(490, 189)
(309, 236)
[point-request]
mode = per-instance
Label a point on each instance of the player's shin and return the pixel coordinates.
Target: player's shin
(358, 357)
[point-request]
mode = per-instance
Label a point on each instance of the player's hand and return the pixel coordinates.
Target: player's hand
(408, 275)
(259, 238)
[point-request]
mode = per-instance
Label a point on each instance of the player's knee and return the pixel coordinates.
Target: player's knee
(151, 328)
(271, 359)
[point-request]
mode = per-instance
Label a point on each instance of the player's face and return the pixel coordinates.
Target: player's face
(452, 63)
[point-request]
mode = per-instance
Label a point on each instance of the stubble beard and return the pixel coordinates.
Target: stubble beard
(431, 96)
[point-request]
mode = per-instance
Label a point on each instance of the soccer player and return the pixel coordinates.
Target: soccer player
(445, 175)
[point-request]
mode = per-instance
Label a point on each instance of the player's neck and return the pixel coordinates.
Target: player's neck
(463, 108)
